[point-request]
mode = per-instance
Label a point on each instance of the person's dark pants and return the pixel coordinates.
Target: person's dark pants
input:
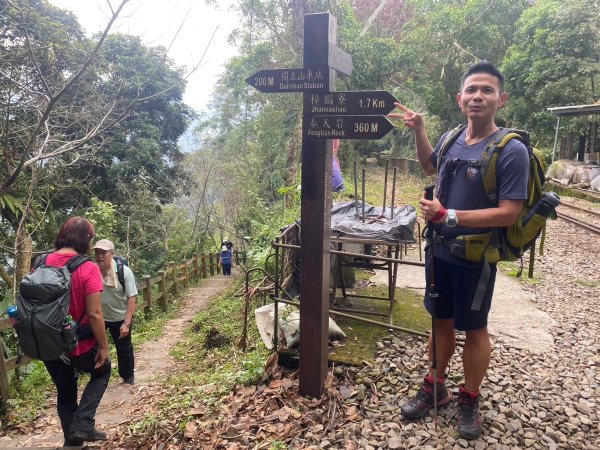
(73, 416)
(456, 286)
(226, 269)
(124, 348)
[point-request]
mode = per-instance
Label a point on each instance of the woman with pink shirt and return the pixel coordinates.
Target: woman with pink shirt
(91, 353)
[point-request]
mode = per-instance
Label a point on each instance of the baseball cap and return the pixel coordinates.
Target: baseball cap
(104, 244)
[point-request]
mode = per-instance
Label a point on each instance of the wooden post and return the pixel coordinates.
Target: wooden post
(162, 287)
(174, 272)
(531, 260)
(196, 270)
(211, 263)
(319, 35)
(186, 279)
(203, 265)
(147, 294)
(3, 375)
(236, 256)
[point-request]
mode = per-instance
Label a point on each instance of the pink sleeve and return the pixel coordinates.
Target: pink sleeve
(91, 278)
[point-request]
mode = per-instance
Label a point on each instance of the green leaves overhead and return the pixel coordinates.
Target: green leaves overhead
(552, 62)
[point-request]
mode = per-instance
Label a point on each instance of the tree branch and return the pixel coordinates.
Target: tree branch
(54, 99)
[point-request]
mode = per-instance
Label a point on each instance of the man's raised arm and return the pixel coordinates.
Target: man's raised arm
(415, 122)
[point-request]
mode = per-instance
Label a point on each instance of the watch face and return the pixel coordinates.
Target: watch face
(451, 220)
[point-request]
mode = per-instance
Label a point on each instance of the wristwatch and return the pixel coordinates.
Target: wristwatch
(451, 219)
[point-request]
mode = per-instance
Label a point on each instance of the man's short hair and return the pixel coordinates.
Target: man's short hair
(483, 67)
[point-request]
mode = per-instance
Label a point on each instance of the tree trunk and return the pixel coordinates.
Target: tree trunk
(24, 251)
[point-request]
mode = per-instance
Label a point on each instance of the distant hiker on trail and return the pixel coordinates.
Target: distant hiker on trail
(226, 260)
(461, 207)
(337, 182)
(118, 304)
(227, 243)
(91, 353)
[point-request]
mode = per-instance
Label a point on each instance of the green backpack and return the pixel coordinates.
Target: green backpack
(503, 243)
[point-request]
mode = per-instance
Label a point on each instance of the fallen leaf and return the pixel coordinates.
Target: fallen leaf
(275, 384)
(350, 411)
(295, 413)
(191, 431)
(347, 392)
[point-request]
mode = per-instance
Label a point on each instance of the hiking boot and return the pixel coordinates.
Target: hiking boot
(73, 443)
(129, 380)
(469, 420)
(423, 401)
(88, 436)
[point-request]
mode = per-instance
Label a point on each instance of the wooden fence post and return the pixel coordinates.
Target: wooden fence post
(186, 277)
(236, 256)
(211, 264)
(174, 270)
(196, 270)
(203, 265)
(3, 375)
(147, 294)
(162, 287)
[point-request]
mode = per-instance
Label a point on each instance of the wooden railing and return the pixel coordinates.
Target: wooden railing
(152, 290)
(403, 164)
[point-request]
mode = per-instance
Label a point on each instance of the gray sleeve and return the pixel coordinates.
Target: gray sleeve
(130, 286)
(513, 171)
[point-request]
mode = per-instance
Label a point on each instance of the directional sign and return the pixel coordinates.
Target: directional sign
(346, 127)
(339, 60)
(349, 103)
(306, 79)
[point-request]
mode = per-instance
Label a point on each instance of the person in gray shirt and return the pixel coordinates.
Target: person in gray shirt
(118, 305)
(461, 207)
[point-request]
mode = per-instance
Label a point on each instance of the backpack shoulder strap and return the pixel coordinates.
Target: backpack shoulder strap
(490, 156)
(75, 262)
(451, 136)
(120, 270)
(40, 261)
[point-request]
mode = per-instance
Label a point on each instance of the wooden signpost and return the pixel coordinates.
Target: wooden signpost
(327, 114)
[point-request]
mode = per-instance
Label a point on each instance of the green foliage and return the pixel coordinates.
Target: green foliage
(29, 394)
(102, 215)
(554, 55)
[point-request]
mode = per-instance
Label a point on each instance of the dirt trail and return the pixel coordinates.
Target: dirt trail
(121, 402)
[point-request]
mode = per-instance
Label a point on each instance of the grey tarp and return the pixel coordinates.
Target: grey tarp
(344, 222)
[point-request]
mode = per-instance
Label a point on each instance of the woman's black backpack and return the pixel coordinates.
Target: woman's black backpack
(43, 328)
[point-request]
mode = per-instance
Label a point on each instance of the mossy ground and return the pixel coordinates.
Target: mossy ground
(360, 344)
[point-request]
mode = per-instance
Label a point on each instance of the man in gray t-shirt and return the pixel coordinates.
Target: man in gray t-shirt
(461, 207)
(118, 305)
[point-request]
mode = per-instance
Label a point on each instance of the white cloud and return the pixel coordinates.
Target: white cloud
(157, 23)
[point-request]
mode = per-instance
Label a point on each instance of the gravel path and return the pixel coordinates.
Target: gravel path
(541, 391)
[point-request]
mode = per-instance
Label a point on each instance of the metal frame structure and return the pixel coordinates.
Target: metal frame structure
(286, 248)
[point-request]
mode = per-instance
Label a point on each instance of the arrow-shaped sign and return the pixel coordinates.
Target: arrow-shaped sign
(349, 103)
(346, 127)
(291, 80)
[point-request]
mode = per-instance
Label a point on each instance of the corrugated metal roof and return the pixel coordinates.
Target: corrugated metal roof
(576, 110)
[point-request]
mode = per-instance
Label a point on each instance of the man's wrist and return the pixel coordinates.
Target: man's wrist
(439, 215)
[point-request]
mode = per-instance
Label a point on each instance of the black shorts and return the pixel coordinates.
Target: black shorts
(456, 286)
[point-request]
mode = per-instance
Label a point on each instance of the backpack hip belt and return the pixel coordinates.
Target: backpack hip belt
(479, 248)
